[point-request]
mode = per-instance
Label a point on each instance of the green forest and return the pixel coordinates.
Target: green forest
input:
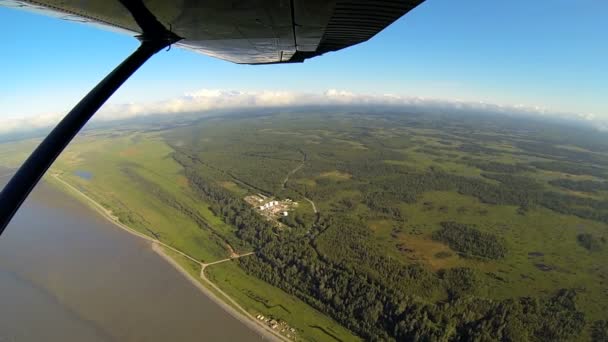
(424, 227)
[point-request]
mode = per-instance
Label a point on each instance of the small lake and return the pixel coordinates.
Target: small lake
(84, 174)
(67, 274)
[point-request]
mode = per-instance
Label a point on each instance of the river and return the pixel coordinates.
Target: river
(67, 274)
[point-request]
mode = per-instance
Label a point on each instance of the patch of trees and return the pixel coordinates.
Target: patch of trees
(581, 185)
(493, 166)
(504, 193)
(477, 149)
(443, 255)
(348, 243)
(544, 149)
(384, 204)
(590, 242)
(402, 187)
(525, 319)
(407, 187)
(128, 217)
(433, 151)
(298, 220)
(377, 311)
(324, 189)
(599, 331)
(257, 165)
(586, 208)
(460, 281)
(522, 191)
(470, 241)
(383, 193)
(345, 204)
(372, 168)
(251, 227)
(513, 181)
(571, 168)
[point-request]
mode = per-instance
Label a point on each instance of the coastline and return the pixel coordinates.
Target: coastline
(158, 247)
(249, 322)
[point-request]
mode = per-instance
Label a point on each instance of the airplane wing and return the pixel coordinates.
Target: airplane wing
(248, 31)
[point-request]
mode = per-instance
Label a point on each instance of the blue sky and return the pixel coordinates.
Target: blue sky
(550, 53)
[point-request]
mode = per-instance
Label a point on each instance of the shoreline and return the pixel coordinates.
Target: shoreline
(263, 331)
(250, 323)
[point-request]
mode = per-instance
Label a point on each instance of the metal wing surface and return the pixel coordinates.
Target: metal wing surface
(248, 31)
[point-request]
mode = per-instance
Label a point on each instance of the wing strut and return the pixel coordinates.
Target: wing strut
(28, 175)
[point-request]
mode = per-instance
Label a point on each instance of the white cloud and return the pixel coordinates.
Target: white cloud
(29, 123)
(209, 99)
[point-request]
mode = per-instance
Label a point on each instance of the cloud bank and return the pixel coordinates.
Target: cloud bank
(212, 99)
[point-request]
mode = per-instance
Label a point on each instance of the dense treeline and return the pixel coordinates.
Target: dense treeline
(384, 204)
(460, 281)
(298, 220)
(547, 149)
(469, 241)
(377, 311)
(251, 227)
(388, 184)
(407, 187)
(477, 149)
(493, 166)
(599, 331)
(590, 242)
(581, 185)
(522, 191)
(587, 208)
(382, 193)
(571, 168)
(357, 251)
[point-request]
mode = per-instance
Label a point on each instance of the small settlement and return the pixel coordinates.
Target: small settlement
(270, 208)
(280, 326)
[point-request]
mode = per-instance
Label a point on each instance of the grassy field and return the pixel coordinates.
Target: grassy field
(97, 166)
(13, 153)
(539, 237)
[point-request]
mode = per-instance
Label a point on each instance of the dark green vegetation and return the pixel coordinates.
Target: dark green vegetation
(599, 331)
(469, 241)
(429, 227)
(590, 242)
(583, 185)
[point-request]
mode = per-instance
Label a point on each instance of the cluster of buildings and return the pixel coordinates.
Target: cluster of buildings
(270, 208)
(280, 326)
(269, 205)
(274, 207)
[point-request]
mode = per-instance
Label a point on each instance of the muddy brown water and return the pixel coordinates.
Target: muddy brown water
(67, 274)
